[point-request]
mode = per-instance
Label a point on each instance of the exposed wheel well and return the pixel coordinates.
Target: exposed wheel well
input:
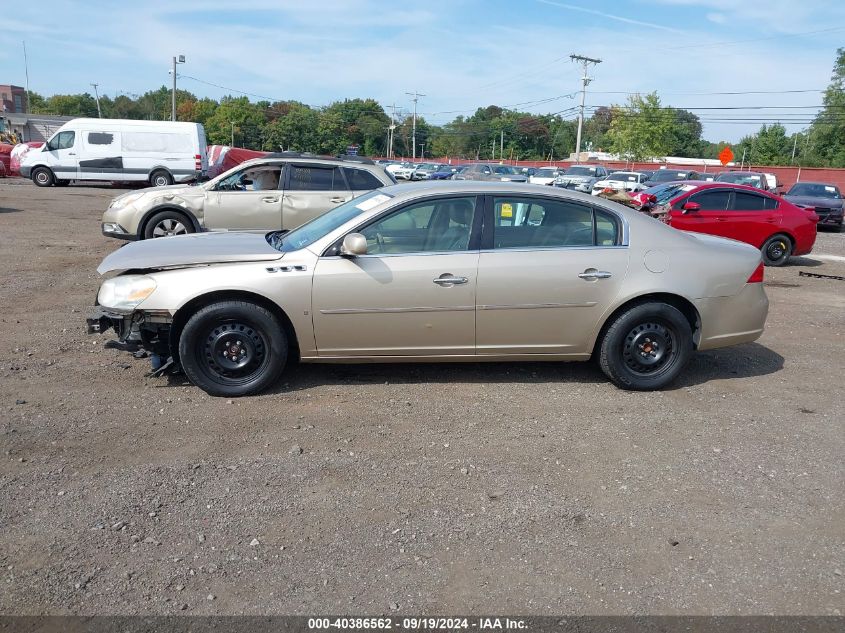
(186, 311)
(188, 216)
(686, 308)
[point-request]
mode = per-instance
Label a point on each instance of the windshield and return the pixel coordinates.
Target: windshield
(665, 175)
(546, 173)
(815, 190)
(740, 178)
(312, 231)
(428, 167)
(665, 193)
(580, 171)
(505, 169)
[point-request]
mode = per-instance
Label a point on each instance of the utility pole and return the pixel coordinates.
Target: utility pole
(416, 95)
(391, 130)
(28, 108)
(501, 144)
(794, 147)
(585, 80)
(97, 97)
(233, 133)
(176, 60)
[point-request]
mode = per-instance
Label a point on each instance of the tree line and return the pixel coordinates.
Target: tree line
(640, 129)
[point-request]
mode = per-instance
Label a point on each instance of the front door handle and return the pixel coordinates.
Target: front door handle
(269, 199)
(592, 274)
(338, 200)
(447, 280)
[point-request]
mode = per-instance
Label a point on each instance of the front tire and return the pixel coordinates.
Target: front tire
(167, 223)
(776, 250)
(646, 347)
(161, 178)
(233, 348)
(43, 177)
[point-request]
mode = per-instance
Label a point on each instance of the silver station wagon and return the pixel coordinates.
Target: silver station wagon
(436, 271)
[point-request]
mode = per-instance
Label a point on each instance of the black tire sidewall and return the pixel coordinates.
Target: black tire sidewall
(190, 349)
(160, 172)
(43, 170)
(778, 262)
(163, 215)
(611, 358)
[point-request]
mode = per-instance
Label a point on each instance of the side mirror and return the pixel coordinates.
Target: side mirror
(691, 207)
(353, 245)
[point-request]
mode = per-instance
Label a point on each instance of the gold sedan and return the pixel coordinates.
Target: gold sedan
(436, 271)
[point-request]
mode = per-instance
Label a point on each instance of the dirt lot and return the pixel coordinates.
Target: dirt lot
(532, 489)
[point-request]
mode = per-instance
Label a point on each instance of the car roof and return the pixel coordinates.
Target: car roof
(711, 184)
(813, 182)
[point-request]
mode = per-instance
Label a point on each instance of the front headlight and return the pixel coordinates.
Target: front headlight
(119, 203)
(126, 292)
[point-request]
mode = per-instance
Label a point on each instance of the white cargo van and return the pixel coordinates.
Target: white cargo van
(117, 150)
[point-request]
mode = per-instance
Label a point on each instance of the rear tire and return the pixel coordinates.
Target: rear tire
(777, 250)
(646, 347)
(43, 177)
(161, 178)
(233, 348)
(166, 223)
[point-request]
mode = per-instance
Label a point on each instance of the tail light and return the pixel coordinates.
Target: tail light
(198, 162)
(757, 276)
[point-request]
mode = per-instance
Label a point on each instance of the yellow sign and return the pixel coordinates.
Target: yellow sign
(507, 210)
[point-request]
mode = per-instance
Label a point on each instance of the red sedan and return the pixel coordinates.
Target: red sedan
(774, 225)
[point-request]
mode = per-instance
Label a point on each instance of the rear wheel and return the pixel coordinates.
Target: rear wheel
(776, 250)
(233, 348)
(646, 347)
(161, 178)
(42, 177)
(166, 223)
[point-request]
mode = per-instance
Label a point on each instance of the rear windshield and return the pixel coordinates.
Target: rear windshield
(546, 173)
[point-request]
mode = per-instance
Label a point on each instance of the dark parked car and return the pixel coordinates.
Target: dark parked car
(671, 175)
(444, 172)
(825, 199)
(751, 178)
(493, 171)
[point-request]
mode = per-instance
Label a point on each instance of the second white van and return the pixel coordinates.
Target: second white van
(119, 150)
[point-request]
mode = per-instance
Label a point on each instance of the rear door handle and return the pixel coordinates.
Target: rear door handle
(592, 274)
(269, 199)
(447, 280)
(338, 200)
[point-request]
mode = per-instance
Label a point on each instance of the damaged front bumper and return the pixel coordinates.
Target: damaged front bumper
(138, 332)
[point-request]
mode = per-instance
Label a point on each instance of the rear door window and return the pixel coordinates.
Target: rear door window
(744, 201)
(312, 178)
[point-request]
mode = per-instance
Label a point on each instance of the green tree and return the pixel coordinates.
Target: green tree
(296, 130)
(643, 129)
(827, 133)
(236, 115)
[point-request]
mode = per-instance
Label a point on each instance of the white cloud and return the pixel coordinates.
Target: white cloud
(717, 18)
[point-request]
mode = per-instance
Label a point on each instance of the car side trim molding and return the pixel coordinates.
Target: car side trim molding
(535, 306)
(398, 310)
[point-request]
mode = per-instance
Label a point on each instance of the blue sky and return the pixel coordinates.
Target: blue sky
(461, 54)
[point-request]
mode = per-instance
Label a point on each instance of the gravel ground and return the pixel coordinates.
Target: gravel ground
(510, 488)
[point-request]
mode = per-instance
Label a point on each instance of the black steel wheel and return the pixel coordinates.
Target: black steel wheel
(646, 346)
(776, 250)
(233, 348)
